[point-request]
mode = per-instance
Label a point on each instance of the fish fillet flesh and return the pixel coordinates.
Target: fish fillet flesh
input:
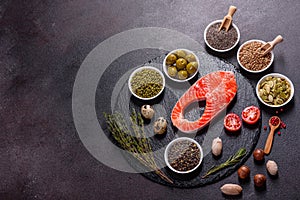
(218, 89)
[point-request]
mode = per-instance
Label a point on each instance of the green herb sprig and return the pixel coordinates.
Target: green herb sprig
(232, 160)
(138, 145)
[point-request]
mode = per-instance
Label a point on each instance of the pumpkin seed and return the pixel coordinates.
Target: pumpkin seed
(274, 90)
(270, 97)
(268, 88)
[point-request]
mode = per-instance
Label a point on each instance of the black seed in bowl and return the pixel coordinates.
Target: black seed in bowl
(221, 40)
(184, 155)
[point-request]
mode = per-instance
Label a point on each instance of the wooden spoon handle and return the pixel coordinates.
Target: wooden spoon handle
(231, 10)
(277, 40)
(269, 142)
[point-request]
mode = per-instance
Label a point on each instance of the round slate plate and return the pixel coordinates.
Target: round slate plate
(122, 101)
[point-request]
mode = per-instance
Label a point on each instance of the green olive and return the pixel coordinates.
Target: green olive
(190, 58)
(181, 63)
(172, 71)
(171, 59)
(192, 67)
(183, 74)
(180, 53)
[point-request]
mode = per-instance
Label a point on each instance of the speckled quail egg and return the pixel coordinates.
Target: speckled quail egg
(147, 111)
(160, 125)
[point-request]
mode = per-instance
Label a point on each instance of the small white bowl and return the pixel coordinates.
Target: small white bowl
(253, 71)
(221, 50)
(165, 67)
(280, 76)
(171, 144)
(140, 69)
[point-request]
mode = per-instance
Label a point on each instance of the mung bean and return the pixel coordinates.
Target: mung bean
(147, 83)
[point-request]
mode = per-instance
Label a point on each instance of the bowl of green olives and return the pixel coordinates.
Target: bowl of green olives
(146, 82)
(181, 65)
(275, 90)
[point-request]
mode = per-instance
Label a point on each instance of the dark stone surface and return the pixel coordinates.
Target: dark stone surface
(42, 45)
(247, 137)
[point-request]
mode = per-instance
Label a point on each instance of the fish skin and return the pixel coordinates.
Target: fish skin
(218, 89)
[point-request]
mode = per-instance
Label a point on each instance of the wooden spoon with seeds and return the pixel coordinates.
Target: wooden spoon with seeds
(274, 123)
(266, 48)
(227, 20)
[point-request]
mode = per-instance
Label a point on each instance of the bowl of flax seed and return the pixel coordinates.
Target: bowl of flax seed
(250, 59)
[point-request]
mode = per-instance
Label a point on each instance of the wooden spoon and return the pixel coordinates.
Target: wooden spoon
(273, 127)
(266, 48)
(227, 20)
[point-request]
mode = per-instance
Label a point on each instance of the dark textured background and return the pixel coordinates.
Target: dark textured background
(42, 45)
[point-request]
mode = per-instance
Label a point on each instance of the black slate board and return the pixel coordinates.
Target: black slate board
(247, 137)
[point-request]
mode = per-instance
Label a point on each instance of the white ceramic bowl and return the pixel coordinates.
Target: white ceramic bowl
(275, 75)
(182, 139)
(165, 67)
(140, 69)
(252, 71)
(221, 50)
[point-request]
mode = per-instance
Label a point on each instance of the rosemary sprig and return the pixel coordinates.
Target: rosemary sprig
(232, 160)
(138, 145)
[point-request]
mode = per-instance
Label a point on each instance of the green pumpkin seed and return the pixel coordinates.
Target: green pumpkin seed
(274, 90)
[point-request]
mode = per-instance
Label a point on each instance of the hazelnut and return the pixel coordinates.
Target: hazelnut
(243, 172)
(258, 154)
(260, 180)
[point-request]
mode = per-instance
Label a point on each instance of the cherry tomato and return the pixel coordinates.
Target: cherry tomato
(251, 114)
(232, 122)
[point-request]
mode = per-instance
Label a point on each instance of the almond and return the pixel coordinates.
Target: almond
(231, 189)
(272, 167)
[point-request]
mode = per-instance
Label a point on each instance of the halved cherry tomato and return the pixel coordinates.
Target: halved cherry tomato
(251, 114)
(232, 122)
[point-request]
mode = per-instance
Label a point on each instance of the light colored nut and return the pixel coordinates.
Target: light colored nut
(272, 167)
(231, 189)
(216, 146)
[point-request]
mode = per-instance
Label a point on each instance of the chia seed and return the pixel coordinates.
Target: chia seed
(221, 40)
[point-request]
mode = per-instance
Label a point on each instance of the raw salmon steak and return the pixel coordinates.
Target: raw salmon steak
(217, 88)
